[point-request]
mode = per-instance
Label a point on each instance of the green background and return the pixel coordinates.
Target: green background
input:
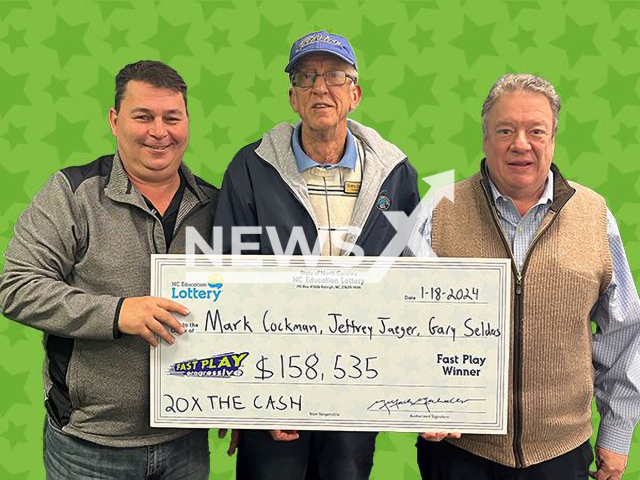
(425, 67)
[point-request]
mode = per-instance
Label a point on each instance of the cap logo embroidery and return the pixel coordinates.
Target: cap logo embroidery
(315, 38)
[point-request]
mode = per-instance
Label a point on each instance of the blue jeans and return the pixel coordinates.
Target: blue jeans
(66, 457)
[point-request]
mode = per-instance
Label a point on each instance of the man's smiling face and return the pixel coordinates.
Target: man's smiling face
(152, 130)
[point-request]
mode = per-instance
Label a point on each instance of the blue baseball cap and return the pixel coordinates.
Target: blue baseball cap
(321, 41)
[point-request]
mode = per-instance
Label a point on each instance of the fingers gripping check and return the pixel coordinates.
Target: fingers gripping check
(439, 436)
(148, 316)
(284, 435)
(233, 442)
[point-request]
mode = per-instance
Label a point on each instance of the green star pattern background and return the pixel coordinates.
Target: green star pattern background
(425, 68)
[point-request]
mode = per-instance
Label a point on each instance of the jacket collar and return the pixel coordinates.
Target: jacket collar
(275, 147)
(120, 188)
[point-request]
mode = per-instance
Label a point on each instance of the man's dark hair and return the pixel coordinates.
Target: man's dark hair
(158, 74)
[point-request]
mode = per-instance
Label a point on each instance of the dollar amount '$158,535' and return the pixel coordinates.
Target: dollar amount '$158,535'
(313, 368)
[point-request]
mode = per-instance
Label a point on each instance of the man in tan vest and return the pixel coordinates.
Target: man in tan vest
(569, 267)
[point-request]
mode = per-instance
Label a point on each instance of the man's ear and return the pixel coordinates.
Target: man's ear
(356, 97)
(293, 100)
(113, 117)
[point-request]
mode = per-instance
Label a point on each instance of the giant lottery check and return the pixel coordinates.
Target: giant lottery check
(422, 347)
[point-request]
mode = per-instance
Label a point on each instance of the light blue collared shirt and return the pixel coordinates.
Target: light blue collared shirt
(520, 230)
(303, 161)
(616, 345)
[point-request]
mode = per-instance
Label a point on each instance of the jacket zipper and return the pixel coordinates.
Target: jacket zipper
(517, 334)
(517, 375)
(177, 226)
(153, 228)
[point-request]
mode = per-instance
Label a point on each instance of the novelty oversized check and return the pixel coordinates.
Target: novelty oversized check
(325, 348)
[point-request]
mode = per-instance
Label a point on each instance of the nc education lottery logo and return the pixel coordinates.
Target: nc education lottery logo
(199, 291)
(215, 366)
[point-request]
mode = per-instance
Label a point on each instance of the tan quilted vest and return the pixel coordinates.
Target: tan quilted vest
(567, 268)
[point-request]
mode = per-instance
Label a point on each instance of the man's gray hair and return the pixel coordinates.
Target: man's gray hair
(353, 72)
(521, 82)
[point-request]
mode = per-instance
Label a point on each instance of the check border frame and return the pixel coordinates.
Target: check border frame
(499, 424)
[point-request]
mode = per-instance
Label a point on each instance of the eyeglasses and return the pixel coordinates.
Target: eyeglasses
(333, 78)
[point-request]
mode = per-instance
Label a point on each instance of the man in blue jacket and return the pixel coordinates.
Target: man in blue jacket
(323, 185)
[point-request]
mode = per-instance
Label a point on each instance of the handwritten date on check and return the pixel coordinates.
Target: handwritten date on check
(422, 347)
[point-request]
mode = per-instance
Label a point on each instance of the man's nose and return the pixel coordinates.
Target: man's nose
(521, 142)
(319, 84)
(158, 128)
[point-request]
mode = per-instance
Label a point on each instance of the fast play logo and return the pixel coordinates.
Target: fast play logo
(221, 365)
(199, 291)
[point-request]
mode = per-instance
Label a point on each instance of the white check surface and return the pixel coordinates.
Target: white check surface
(321, 347)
